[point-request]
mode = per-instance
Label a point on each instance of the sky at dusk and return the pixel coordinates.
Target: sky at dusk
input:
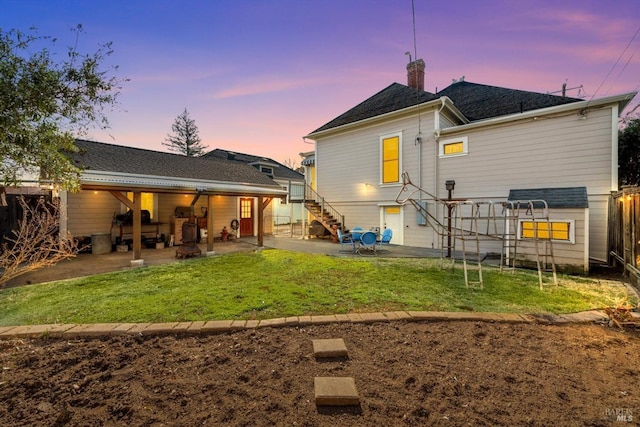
(258, 75)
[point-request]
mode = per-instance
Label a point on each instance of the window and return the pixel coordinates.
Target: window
(562, 231)
(246, 206)
(453, 147)
(267, 170)
(148, 202)
(390, 147)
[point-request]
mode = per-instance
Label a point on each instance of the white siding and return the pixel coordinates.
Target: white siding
(549, 151)
(554, 152)
(568, 256)
(346, 163)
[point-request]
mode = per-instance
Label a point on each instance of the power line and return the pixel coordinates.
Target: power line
(615, 65)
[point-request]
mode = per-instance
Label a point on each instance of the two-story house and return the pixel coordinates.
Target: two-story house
(488, 142)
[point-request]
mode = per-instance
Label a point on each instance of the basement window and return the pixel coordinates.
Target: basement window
(561, 231)
(453, 147)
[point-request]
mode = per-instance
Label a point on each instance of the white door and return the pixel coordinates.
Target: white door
(391, 217)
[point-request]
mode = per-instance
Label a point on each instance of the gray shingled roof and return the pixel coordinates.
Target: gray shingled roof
(98, 156)
(474, 101)
(560, 198)
(392, 98)
(280, 171)
(478, 101)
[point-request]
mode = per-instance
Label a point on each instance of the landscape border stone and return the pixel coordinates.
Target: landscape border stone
(70, 330)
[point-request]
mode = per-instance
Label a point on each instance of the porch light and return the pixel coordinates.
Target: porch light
(450, 184)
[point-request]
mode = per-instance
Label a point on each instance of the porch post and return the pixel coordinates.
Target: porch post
(260, 222)
(262, 205)
(210, 223)
(137, 225)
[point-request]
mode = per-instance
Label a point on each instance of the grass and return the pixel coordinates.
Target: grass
(276, 283)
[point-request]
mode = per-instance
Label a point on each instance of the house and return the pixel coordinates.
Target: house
(171, 188)
(285, 210)
(485, 140)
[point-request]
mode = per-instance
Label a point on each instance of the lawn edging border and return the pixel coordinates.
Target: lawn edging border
(94, 330)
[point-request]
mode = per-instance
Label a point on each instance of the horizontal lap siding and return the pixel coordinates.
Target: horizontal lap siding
(565, 152)
(561, 151)
(567, 256)
(347, 162)
(598, 223)
(554, 152)
(90, 212)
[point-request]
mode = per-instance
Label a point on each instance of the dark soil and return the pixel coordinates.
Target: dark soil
(414, 373)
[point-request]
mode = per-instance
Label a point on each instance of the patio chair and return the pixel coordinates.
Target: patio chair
(356, 233)
(387, 234)
(345, 239)
(368, 241)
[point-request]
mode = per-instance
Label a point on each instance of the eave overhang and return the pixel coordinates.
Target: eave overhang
(580, 108)
(102, 180)
(434, 104)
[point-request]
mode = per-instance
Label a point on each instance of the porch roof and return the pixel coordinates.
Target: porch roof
(115, 167)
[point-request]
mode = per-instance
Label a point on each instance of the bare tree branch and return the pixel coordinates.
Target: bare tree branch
(37, 242)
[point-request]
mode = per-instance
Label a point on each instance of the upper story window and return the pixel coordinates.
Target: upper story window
(453, 147)
(390, 149)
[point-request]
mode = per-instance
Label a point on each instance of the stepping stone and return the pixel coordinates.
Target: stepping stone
(326, 348)
(335, 391)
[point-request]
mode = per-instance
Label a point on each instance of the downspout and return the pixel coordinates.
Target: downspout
(435, 148)
(436, 133)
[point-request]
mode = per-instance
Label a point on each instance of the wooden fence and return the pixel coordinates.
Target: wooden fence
(624, 231)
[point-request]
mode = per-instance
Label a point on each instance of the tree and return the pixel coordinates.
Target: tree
(46, 103)
(36, 243)
(629, 153)
(185, 138)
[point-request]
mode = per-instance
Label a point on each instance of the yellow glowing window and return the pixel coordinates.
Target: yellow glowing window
(246, 207)
(541, 229)
(147, 201)
(454, 148)
(392, 210)
(391, 159)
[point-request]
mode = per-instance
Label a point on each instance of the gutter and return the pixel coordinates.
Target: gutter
(125, 180)
(583, 108)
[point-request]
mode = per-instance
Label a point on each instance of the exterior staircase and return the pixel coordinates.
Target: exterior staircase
(322, 211)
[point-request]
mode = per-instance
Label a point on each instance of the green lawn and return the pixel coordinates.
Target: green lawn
(276, 283)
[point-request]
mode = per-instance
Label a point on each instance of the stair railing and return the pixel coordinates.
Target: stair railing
(310, 195)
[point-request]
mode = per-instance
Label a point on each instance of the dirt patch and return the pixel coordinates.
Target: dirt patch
(414, 373)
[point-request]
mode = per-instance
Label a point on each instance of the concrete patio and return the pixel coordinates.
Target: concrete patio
(89, 264)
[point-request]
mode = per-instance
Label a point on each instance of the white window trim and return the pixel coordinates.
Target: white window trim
(572, 230)
(443, 142)
(381, 138)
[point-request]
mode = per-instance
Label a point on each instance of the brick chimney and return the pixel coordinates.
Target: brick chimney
(415, 74)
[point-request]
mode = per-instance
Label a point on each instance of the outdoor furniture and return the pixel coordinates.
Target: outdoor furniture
(368, 241)
(356, 233)
(387, 234)
(346, 239)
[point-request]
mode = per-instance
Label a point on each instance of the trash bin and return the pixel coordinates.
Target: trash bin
(101, 243)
